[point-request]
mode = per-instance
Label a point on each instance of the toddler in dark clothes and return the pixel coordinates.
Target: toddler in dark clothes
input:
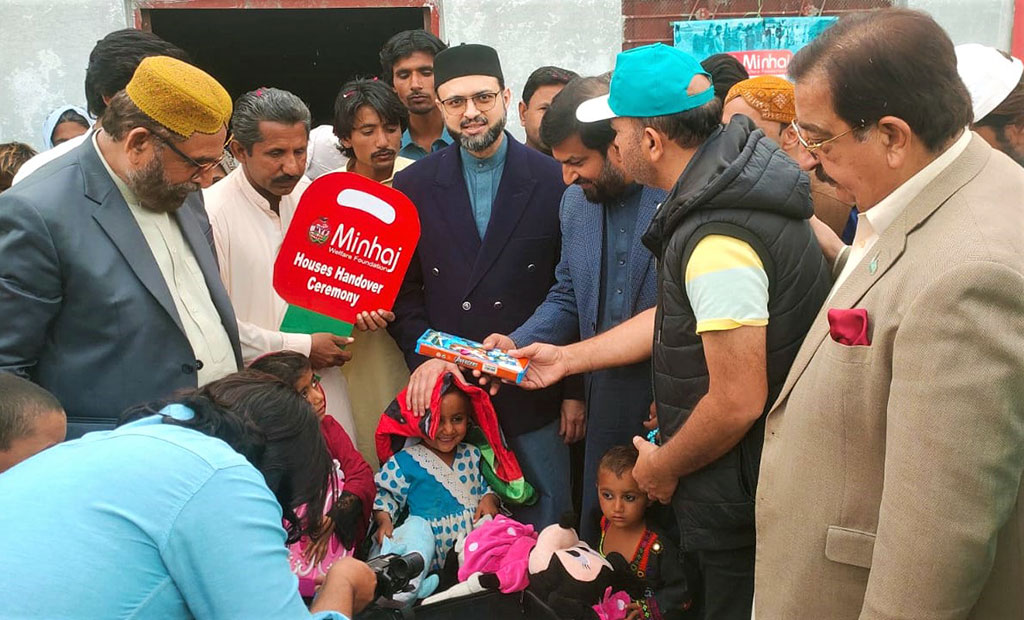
(652, 556)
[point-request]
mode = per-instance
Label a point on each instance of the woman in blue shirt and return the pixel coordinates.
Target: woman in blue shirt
(175, 515)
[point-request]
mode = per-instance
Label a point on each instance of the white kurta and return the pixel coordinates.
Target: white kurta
(322, 154)
(41, 159)
(248, 235)
(377, 367)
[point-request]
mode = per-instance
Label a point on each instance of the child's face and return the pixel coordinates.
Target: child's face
(455, 410)
(622, 501)
(49, 430)
(308, 386)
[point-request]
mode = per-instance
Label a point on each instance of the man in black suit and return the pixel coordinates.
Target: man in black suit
(489, 244)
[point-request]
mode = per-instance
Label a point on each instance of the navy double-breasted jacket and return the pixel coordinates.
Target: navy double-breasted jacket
(472, 287)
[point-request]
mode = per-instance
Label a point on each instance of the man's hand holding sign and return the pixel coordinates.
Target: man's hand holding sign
(344, 257)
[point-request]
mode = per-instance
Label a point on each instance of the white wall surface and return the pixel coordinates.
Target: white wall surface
(44, 47)
(989, 22)
(45, 44)
(580, 35)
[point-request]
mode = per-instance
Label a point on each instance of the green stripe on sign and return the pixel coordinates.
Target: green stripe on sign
(301, 321)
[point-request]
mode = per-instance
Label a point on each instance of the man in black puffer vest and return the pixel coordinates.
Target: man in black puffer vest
(740, 279)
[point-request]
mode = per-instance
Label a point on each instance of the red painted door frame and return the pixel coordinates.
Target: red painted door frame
(431, 13)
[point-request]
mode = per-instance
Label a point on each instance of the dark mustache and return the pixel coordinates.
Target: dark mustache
(291, 178)
(184, 189)
(820, 173)
(469, 121)
(383, 153)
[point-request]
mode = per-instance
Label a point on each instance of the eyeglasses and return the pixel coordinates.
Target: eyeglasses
(813, 147)
(201, 169)
(481, 101)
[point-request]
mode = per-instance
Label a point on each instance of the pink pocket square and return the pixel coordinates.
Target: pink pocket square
(849, 327)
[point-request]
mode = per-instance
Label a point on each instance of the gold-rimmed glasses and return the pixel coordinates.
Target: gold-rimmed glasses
(813, 147)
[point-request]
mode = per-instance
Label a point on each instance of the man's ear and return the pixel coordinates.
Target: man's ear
(788, 139)
(653, 144)
(506, 96)
(613, 155)
(1015, 135)
(137, 144)
(522, 113)
(897, 138)
(238, 151)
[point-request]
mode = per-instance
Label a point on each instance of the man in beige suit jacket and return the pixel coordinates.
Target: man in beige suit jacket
(890, 480)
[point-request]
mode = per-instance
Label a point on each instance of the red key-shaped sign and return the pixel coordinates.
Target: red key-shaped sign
(346, 250)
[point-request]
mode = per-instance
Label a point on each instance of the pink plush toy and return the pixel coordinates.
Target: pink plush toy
(500, 547)
(573, 579)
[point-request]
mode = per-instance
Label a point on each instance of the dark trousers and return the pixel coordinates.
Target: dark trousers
(544, 459)
(618, 402)
(725, 588)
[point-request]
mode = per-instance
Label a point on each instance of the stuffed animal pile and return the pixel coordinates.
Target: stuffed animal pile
(566, 574)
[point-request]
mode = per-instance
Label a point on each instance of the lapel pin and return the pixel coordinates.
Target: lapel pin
(873, 266)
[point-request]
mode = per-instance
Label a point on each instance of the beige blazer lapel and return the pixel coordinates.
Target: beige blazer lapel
(882, 256)
(963, 169)
(886, 251)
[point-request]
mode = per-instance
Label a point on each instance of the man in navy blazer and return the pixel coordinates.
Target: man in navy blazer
(489, 243)
(109, 290)
(606, 275)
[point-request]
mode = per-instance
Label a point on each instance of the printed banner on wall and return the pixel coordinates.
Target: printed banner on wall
(346, 250)
(764, 45)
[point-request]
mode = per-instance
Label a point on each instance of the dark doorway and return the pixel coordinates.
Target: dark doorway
(310, 52)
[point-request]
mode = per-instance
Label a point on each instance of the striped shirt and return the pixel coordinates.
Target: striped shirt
(726, 284)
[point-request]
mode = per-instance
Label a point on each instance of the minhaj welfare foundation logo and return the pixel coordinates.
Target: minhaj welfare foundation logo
(320, 231)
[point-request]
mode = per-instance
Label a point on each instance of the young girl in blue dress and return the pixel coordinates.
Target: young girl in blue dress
(438, 479)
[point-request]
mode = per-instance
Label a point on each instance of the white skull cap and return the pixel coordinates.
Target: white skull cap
(988, 75)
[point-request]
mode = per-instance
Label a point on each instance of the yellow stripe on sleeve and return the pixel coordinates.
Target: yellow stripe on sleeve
(718, 253)
(724, 325)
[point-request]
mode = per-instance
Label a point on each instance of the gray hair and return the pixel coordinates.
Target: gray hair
(21, 404)
(265, 104)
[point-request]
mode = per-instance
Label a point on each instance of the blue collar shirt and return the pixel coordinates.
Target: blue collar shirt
(411, 150)
(482, 179)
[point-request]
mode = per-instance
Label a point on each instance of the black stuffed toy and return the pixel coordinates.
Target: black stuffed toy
(570, 577)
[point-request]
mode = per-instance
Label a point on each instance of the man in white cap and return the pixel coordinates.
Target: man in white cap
(994, 82)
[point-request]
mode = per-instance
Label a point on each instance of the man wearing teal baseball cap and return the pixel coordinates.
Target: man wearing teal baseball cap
(740, 279)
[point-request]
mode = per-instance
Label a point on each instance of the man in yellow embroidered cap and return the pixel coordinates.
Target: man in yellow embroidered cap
(769, 102)
(109, 289)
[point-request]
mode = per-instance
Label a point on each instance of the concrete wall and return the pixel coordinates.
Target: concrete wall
(581, 35)
(45, 44)
(45, 47)
(971, 21)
